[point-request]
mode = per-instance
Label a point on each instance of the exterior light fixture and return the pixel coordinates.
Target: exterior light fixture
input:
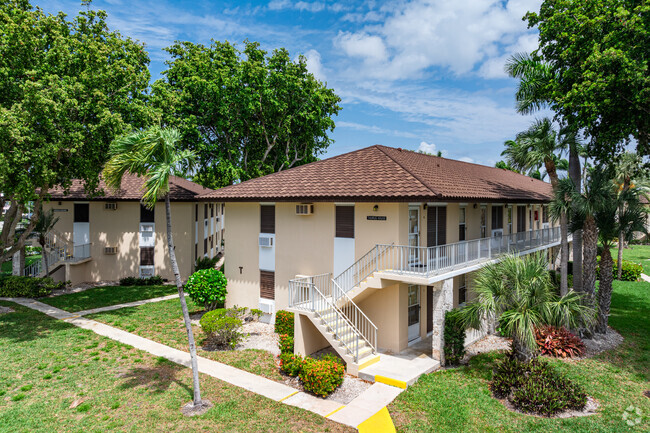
(424, 206)
(375, 207)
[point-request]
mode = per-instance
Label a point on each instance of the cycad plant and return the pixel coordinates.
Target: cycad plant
(518, 292)
(153, 154)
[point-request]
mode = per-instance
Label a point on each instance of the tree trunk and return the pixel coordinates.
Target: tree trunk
(520, 351)
(47, 266)
(186, 314)
(619, 262)
(576, 177)
(604, 290)
(564, 266)
(590, 240)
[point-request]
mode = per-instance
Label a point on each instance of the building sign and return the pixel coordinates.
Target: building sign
(376, 218)
(60, 210)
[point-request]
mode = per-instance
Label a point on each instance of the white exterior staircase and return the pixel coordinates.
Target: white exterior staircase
(59, 252)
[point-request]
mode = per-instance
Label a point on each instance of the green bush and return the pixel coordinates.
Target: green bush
(208, 288)
(556, 279)
(222, 327)
(156, 280)
(27, 287)
(291, 364)
(284, 322)
(333, 358)
(286, 343)
(205, 263)
(321, 377)
(454, 347)
(631, 271)
(535, 387)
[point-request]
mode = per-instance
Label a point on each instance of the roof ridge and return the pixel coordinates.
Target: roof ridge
(416, 177)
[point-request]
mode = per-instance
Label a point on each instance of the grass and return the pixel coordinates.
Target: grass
(5, 269)
(459, 400)
(119, 389)
(637, 254)
(163, 322)
(105, 296)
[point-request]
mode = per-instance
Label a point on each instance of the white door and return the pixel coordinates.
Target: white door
(413, 312)
(414, 235)
(497, 240)
(81, 225)
(343, 239)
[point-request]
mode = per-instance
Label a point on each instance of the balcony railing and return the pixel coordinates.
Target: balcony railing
(58, 255)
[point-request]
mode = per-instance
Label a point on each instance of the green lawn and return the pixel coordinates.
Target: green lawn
(5, 269)
(107, 295)
(459, 400)
(163, 322)
(49, 366)
(637, 254)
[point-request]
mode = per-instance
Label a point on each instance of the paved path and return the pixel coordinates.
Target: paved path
(646, 278)
(369, 406)
(126, 305)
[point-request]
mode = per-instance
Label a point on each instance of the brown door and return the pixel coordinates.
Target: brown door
(521, 218)
(429, 309)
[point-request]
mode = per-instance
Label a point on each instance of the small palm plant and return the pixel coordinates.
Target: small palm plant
(153, 154)
(518, 292)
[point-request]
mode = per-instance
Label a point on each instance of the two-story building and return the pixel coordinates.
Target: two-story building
(112, 235)
(370, 248)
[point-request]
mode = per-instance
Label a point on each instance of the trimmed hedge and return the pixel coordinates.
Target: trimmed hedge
(284, 322)
(454, 335)
(27, 287)
(631, 271)
(286, 343)
(535, 387)
(291, 364)
(222, 327)
(207, 287)
(321, 377)
(156, 280)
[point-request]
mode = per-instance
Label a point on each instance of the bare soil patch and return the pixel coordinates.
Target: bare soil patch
(5, 310)
(591, 408)
(602, 343)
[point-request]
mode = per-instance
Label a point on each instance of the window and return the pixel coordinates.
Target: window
(509, 219)
(344, 222)
(205, 211)
(146, 214)
(267, 284)
(483, 221)
(436, 225)
(212, 211)
(462, 228)
(146, 256)
(205, 245)
(497, 217)
(81, 212)
(196, 213)
(462, 289)
(267, 219)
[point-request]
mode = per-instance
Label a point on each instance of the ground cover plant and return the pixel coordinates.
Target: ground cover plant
(558, 342)
(57, 377)
(106, 295)
(460, 400)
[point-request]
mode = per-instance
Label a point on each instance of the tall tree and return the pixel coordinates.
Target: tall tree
(519, 293)
(597, 52)
(245, 114)
(539, 145)
(154, 154)
(68, 88)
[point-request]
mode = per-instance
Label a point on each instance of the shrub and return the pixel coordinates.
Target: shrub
(255, 314)
(333, 358)
(454, 337)
(321, 377)
(284, 322)
(27, 287)
(156, 280)
(222, 327)
(535, 387)
(205, 263)
(291, 364)
(631, 271)
(556, 279)
(558, 342)
(207, 287)
(286, 343)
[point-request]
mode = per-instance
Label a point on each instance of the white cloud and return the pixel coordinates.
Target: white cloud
(494, 67)
(306, 6)
(314, 64)
(430, 148)
(362, 45)
(466, 159)
(373, 129)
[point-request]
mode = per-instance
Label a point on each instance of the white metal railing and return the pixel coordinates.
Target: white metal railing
(361, 323)
(315, 294)
(65, 253)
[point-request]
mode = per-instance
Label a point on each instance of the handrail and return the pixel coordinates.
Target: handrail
(362, 323)
(61, 254)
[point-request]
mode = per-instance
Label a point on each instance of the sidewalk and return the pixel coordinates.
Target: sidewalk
(367, 409)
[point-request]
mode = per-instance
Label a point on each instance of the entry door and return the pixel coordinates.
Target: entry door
(344, 239)
(521, 220)
(413, 312)
(81, 224)
(429, 309)
(414, 235)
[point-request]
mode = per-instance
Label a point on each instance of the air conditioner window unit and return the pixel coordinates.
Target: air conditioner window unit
(146, 271)
(265, 241)
(304, 209)
(110, 206)
(110, 250)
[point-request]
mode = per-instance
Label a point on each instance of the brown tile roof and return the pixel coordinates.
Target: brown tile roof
(380, 173)
(180, 190)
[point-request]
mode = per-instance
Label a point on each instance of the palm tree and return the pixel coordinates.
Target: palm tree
(620, 216)
(44, 225)
(153, 154)
(519, 293)
(540, 145)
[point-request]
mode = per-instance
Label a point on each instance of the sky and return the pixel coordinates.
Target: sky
(420, 75)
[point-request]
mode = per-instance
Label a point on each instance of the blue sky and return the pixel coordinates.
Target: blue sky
(413, 74)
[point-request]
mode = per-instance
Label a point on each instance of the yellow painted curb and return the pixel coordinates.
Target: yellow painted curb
(290, 395)
(334, 411)
(390, 381)
(71, 317)
(378, 423)
(369, 362)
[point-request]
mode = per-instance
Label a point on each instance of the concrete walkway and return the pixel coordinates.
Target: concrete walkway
(369, 406)
(645, 278)
(125, 305)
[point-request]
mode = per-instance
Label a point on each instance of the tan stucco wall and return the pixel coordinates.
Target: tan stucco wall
(307, 339)
(387, 309)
